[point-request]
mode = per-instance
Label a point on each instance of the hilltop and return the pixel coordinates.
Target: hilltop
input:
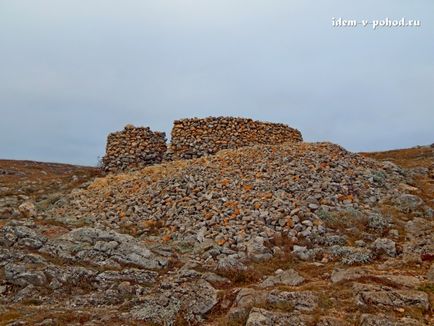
(285, 234)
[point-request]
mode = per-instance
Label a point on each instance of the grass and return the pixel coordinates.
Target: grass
(8, 316)
(324, 301)
(257, 270)
(427, 287)
(349, 222)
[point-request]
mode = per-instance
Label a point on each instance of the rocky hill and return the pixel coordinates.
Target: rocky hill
(288, 234)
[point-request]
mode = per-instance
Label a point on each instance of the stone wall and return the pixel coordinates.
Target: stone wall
(137, 147)
(195, 137)
(133, 148)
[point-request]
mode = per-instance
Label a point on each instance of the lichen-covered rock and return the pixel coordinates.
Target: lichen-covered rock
(289, 277)
(384, 320)
(128, 275)
(230, 263)
(351, 255)
(407, 203)
(378, 222)
(19, 235)
(420, 240)
(104, 248)
(384, 246)
(298, 300)
(20, 274)
(257, 251)
(191, 301)
(262, 317)
(387, 297)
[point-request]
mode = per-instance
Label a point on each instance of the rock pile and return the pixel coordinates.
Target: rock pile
(192, 138)
(242, 199)
(133, 148)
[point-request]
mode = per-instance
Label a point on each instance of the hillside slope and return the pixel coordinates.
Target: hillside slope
(293, 234)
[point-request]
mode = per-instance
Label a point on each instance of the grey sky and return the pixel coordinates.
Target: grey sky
(73, 71)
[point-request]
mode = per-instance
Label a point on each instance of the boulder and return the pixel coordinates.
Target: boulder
(289, 277)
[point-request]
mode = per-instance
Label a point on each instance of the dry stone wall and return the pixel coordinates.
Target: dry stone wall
(133, 148)
(195, 137)
(137, 147)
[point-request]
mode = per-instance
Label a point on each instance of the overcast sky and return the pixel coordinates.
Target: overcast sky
(73, 71)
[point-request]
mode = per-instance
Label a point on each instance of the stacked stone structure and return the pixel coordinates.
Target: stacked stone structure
(133, 148)
(192, 138)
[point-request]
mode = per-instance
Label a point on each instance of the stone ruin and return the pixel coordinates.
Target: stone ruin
(134, 148)
(192, 138)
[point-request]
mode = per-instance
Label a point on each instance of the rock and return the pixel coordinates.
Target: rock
(301, 252)
(408, 203)
(378, 222)
(383, 320)
(19, 274)
(387, 297)
(248, 297)
(262, 317)
(289, 277)
(48, 322)
(301, 300)
(230, 263)
(420, 240)
(331, 321)
(384, 246)
(201, 234)
(258, 318)
(30, 292)
(360, 243)
(158, 310)
(130, 275)
(357, 273)
(103, 248)
(257, 251)
(193, 300)
(21, 236)
(351, 255)
(203, 297)
(237, 316)
(350, 274)
(215, 279)
(27, 209)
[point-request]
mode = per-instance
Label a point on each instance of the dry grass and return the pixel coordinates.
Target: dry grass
(406, 158)
(44, 183)
(8, 316)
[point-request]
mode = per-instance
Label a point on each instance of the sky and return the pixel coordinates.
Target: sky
(73, 71)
